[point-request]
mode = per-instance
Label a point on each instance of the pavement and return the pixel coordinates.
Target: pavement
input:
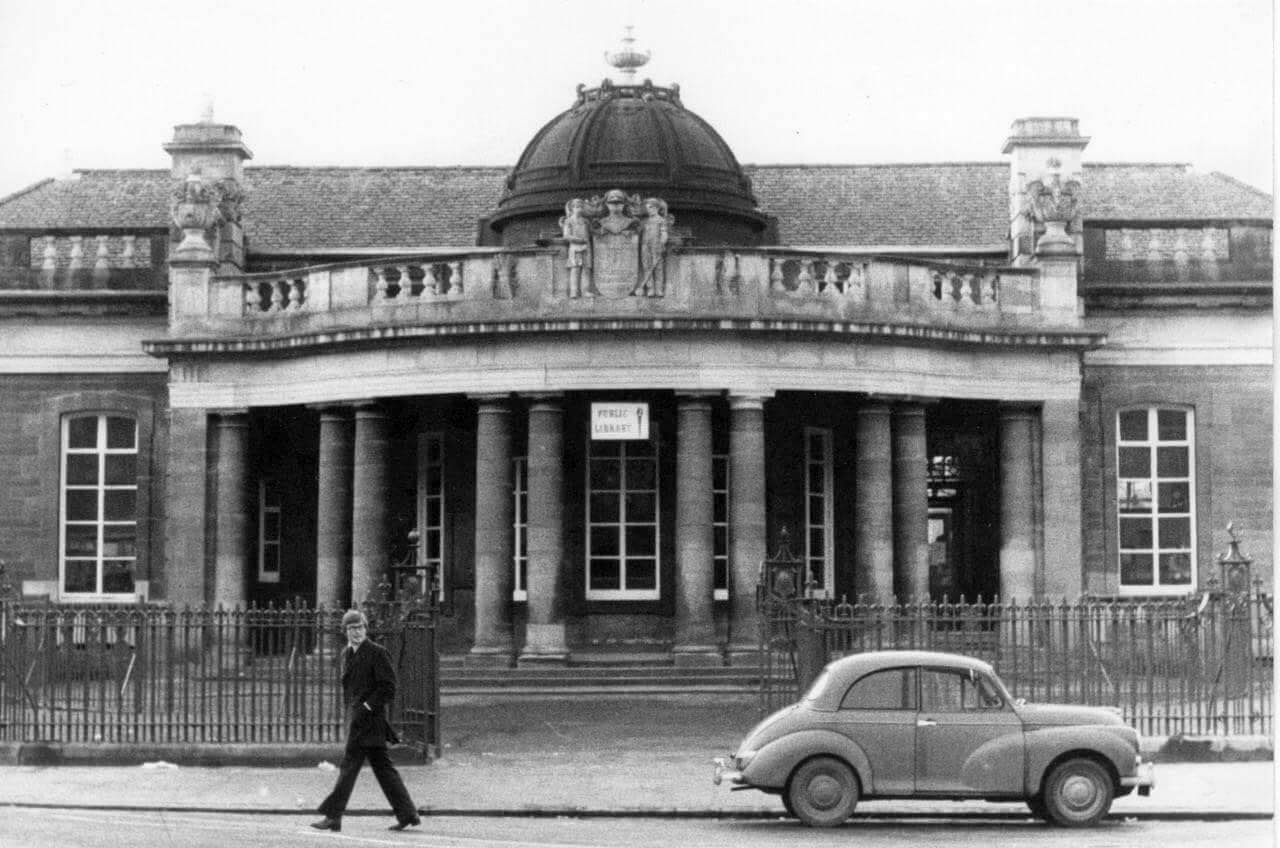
(602, 756)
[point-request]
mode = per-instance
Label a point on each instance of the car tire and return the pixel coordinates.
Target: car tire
(786, 804)
(1036, 804)
(1077, 793)
(822, 792)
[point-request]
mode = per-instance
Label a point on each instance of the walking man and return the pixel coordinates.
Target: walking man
(368, 685)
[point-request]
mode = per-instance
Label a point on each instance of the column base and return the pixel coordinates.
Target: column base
(489, 657)
(544, 644)
(742, 655)
(696, 656)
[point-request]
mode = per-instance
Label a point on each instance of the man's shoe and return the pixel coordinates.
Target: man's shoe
(402, 825)
(327, 823)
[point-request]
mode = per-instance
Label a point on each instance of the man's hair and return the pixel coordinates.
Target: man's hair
(354, 616)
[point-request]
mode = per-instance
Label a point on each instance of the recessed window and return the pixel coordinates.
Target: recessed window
(1155, 493)
(720, 526)
(819, 510)
(622, 520)
(99, 523)
(268, 530)
(431, 506)
(520, 522)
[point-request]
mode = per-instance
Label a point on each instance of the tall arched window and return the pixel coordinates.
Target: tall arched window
(1155, 500)
(98, 509)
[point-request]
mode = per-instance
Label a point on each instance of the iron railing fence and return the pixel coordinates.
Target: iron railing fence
(1196, 665)
(147, 674)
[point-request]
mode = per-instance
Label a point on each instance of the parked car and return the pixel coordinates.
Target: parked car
(925, 725)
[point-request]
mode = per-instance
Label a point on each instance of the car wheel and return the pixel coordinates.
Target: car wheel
(822, 792)
(786, 803)
(1077, 793)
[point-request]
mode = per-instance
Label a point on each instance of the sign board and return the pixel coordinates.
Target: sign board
(619, 421)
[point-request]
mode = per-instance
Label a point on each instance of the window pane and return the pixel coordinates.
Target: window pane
(1175, 569)
(719, 474)
(81, 576)
(1135, 569)
(816, 511)
(1175, 532)
(642, 574)
(720, 509)
(815, 446)
(1133, 426)
(82, 505)
(118, 540)
(1171, 462)
(604, 541)
(604, 507)
(119, 504)
(1134, 495)
(82, 432)
(1171, 424)
(271, 559)
(720, 574)
(640, 474)
(605, 574)
(640, 541)
(605, 474)
(641, 506)
(121, 433)
(644, 448)
(271, 526)
(941, 691)
(1175, 497)
(720, 541)
(117, 576)
(121, 469)
(434, 479)
(82, 540)
(605, 448)
(883, 690)
(82, 469)
(1135, 462)
(1135, 533)
(817, 541)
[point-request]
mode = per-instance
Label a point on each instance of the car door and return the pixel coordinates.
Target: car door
(969, 741)
(878, 712)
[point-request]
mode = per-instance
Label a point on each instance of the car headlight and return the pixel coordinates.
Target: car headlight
(744, 757)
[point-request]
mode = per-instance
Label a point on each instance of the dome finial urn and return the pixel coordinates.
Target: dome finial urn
(627, 58)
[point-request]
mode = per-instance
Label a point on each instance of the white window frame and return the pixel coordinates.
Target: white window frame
(432, 513)
(101, 451)
(265, 542)
(820, 470)
(718, 556)
(520, 527)
(1152, 442)
(624, 594)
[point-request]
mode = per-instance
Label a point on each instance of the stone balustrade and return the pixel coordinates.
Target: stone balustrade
(530, 285)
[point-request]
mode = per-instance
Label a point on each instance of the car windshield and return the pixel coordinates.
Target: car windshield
(815, 690)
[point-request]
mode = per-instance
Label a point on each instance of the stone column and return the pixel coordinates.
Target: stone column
(544, 631)
(1017, 509)
(369, 501)
(695, 625)
(185, 510)
(1059, 494)
(873, 502)
(231, 542)
(747, 543)
(495, 514)
(333, 507)
(910, 502)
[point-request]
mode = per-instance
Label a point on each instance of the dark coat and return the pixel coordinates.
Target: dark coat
(368, 679)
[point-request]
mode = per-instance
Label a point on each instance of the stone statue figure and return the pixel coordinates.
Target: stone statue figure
(619, 217)
(655, 232)
(575, 227)
(615, 244)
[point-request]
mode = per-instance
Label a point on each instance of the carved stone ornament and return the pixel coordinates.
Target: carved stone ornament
(616, 245)
(194, 210)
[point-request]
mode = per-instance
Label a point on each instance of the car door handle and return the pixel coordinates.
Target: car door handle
(926, 722)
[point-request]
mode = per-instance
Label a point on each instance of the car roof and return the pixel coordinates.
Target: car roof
(871, 660)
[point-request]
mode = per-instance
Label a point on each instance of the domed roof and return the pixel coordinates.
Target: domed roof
(636, 137)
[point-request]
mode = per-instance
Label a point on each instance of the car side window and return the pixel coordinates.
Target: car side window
(890, 689)
(954, 692)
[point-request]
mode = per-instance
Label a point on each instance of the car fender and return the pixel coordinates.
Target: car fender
(773, 763)
(1044, 745)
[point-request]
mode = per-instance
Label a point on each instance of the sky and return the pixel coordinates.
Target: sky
(385, 83)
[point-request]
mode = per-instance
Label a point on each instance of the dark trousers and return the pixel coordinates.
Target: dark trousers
(388, 778)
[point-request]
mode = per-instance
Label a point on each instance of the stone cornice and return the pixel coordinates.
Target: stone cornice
(363, 336)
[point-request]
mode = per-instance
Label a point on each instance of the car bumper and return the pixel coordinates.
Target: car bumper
(1143, 779)
(725, 772)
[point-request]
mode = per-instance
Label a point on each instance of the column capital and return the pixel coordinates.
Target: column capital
(873, 406)
(331, 409)
(545, 401)
(489, 397)
(695, 400)
(369, 409)
(1016, 411)
(752, 400)
(232, 417)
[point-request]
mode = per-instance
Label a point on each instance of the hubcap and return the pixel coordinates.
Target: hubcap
(1079, 792)
(825, 791)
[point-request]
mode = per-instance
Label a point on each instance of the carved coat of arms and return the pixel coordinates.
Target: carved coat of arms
(616, 245)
